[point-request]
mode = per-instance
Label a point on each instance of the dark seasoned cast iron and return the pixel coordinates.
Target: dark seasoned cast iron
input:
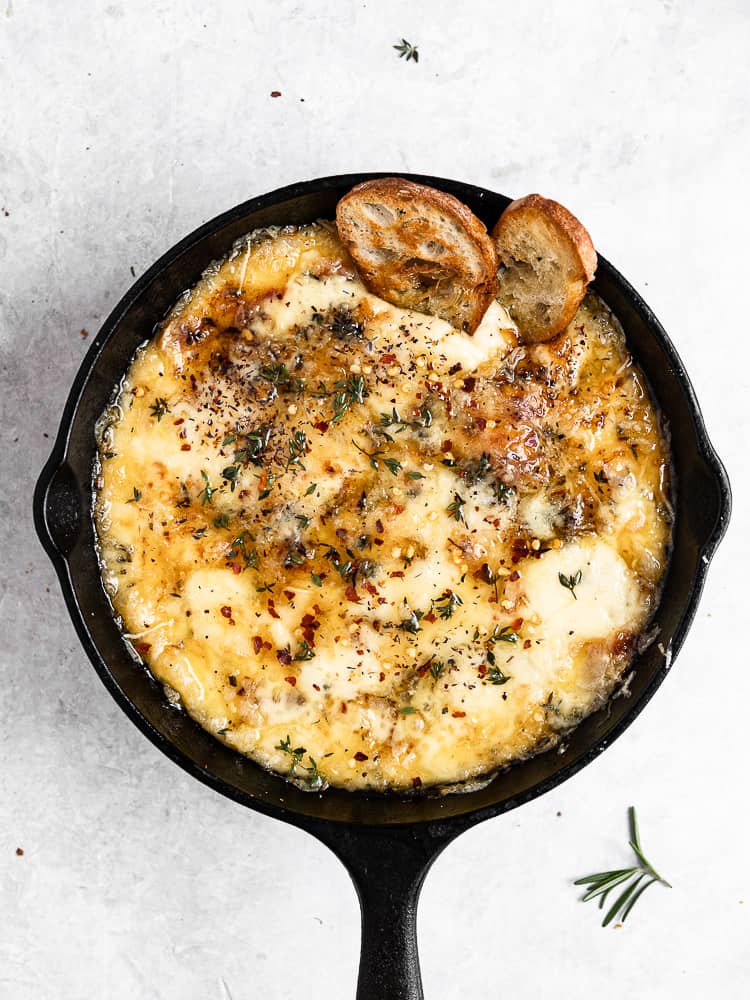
(386, 842)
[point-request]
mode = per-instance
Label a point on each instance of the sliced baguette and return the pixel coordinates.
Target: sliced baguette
(547, 260)
(420, 249)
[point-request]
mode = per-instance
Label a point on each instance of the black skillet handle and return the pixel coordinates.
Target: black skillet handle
(388, 866)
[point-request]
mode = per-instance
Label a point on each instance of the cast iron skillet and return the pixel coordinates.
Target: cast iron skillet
(386, 842)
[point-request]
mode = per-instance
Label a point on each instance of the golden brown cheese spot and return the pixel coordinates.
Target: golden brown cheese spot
(364, 548)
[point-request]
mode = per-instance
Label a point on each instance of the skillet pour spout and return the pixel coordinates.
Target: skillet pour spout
(387, 842)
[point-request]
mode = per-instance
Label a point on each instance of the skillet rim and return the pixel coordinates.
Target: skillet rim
(301, 818)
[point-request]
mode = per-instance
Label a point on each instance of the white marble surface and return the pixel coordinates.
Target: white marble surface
(122, 127)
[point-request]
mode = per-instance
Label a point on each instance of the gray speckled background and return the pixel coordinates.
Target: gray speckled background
(125, 125)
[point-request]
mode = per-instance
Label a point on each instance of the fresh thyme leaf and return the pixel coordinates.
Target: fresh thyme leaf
(393, 465)
(297, 448)
(503, 492)
(281, 380)
(407, 50)
(456, 508)
(504, 634)
(414, 475)
(316, 580)
(208, 490)
(230, 473)
(304, 522)
(255, 444)
(348, 392)
(159, 408)
(570, 582)
(221, 521)
(411, 624)
(241, 548)
(437, 669)
(136, 495)
(311, 489)
(377, 456)
(447, 604)
(407, 710)
(496, 676)
(635, 880)
(296, 754)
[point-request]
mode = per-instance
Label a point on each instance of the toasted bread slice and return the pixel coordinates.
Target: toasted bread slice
(546, 260)
(420, 249)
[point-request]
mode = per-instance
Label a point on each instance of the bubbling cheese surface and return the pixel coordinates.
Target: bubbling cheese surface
(368, 550)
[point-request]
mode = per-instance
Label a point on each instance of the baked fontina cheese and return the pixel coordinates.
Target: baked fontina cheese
(368, 550)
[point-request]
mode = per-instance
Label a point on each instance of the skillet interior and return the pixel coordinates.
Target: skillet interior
(62, 511)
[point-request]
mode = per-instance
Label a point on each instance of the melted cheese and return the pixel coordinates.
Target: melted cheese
(364, 548)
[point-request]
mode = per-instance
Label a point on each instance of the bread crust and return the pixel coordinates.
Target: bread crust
(573, 243)
(420, 248)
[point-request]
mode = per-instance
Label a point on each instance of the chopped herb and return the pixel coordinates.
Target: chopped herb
(348, 392)
(437, 669)
(570, 582)
(221, 521)
(136, 495)
(503, 492)
(316, 580)
(456, 508)
(255, 444)
(311, 489)
(505, 634)
(281, 380)
(496, 676)
(414, 475)
(634, 880)
(304, 522)
(407, 710)
(159, 408)
(185, 500)
(407, 50)
(200, 533)
(393, 465)
(305, 652)
(241, 549)
(411, 624)
(601, 476)
(376, 457)
(208, 490)
(297, 447)
(230, 473)
(296, 754)
(447, 604)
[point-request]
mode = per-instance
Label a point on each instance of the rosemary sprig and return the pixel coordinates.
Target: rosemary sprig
(407, 50)
(635, 880)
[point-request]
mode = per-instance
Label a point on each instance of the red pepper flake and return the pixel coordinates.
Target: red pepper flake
(343, 707)
(516, 623)
(396, 573)
(180, 420)
(141, 647)
(289, 594)
(236, 568)
(352, 595)
(267, 645)
(371, 589)
(469, 384)
(377, 541)
(272, 609)
(447, 446)
(482, 671)
(322, 426)
(291, 680)
(480, 422)
(379, 526)
(515, 575)
(308, 621)
(284, 656)
(387, 359)
(416, 782)
(275, 93)
(185, 447)
(360, 756)
(527, 644)
(316, 687)
(257, 644)
(430, 617)
(381, 676)
(454, 368)
(398, 509)
(458, 715)
(226, 611)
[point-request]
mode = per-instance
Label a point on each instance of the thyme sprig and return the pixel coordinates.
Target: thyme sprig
(296, 755)
(159, 408)
(378, 456)
(570, 582)
(635, 880)
(348, 391)
(407, 50)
